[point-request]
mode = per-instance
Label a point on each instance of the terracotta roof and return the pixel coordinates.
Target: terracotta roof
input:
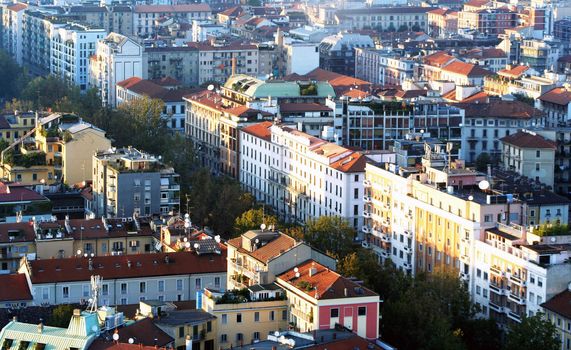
(558, 95)
(501, 109)
(477, 3)
(21, 231)
(233, 11)
(145, 331)
(489, 52)
(17, 7)
(173, 8)
(153, 90)
(117, 267)
(515, 72)
(352, 343)
(13, 192)
(166, 81)
(325, 283)
(234, 46)
(438, 59)
(467, 69)
(272, 249)
(479, 97)
(407, 94)
(355, 163)
(356, 93)
(93, 228)
(102, 344)
(260, 130)
(385, 10)
(560, 304)
(340, 83)
(303, 107)
(524, 139)
(15, 288)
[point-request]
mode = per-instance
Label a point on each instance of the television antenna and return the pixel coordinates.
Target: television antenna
(95, 287)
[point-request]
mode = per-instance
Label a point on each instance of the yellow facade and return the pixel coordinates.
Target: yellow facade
(19, 125)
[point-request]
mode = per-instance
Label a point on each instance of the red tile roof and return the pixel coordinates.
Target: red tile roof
(101, 344)
(560, 304)
(500, 109)
(173, 8)
(14, 192)
(356, 93)
(260, 130)
(355, 163)
(477, 3)
(467, 69)
(325, 283)
(145, 332)
(233, 46)
(353, 343)
(438, 59)
(166, 81)
(154, 90)
(17, 7)
(14, 288)
(514, 72)
(303, 107)
(233, 11)
(21, 231)
(558, 95)
(523, 139)
(117, 267)
(480, 97)
(271, 250)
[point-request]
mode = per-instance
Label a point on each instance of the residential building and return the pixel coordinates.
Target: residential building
(38, 28)
(302, 177)
(258, 256)
(246, 316)
(126, 279)
(180, 63)
(12, 24)
(16, 241)
(198, 327)
(15, 125)
(300, 58)
(430, 67)
(442, 22)
(116, 58)
(144, 16)
(557, 311)
(562, 137)
(492, 58)
(320, 298)
(531, 155)
(485, 123)
(555, 105)
(337, 52)
(19, 203)
(488, 21)
(82, 331)
(461, 73)
(58, 149)
(129, 182)
(414, 18)
(18, 295)
(382, 67)
(72, 46)
(204, 30)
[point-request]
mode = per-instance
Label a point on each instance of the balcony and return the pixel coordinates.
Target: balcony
(407, 233)
(301, 314)
(407, 266)
(366, 229)
(500, 290)
(465, 240)
(407, 250)
(465, 276)
(376, 232)
(367, 214)
(385, 237)
(386, 189)
(517, 280)
(367, 199)
(514, 316)
(465, 258)
(496, 270)
(516, 299)
(385, 254)
(495, 307)
(367, 183)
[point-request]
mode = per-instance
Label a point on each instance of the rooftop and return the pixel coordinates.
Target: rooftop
(277, 245)
(560, 304)
(558, 95)
(15, 288)
(500, 109)
(528, 139)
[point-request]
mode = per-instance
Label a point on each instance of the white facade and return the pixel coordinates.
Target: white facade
(145, 16)
(116, 59)
(72, 47)
(12, 30)
(201, 29)
(302, 58)
(301, 176)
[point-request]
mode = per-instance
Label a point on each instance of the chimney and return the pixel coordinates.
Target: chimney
(234, 63)
(15, 319)
(90, 264)
(312, 270)
(345, 292)
(40, 327)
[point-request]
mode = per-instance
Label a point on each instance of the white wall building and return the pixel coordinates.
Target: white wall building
(301, 176)
(301, 58)
(145, 15)
(72, 47)
(202, 29)
(117, 58)
(12, 29)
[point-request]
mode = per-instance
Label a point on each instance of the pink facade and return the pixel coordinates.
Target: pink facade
(370, 321)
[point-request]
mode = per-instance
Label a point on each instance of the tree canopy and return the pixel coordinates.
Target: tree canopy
(535, 332)
(330, 233)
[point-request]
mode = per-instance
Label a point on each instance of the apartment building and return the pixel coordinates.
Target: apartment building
(18, 295)
(485, 123)
(12, 24)
(414, 18)
(15, 125)
(515, 272)
(72, 45)
(16, 241)
(431, 66)
(194, 327)
(556, 310)
(246, 316)
(442, 22)
(258, 256)
(180, 63)
(531, 155)
(58, 149)
(38, 28)
(315, 305)
(116, 58)
(126, 279)
(129, 182)
(302, 177)
(144, 16)
(382, 67)
(556, 106)
(427, 220)
(489, 21)
(337, 52)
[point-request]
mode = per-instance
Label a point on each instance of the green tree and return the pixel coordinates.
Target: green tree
(331, 233)
(482, 161)
(403, 28)
(61, 315)
(416, 28)
(252, 219)
(231, 202)
(535, 332)
(13, 76)
(391, 28)
(482, 334)
(296, 232)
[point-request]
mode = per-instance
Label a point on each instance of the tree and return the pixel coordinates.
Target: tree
(416, 28)
(61, 315)
(482, 334)
(13, 76)
(535, 332)
(252, 219)
(403, 28)
(296, 232)
(330, 233)
(391, 27)
(482, 161)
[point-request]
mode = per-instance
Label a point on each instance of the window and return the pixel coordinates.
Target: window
(334, 313)
(238, 318)
(284, 315)
(209, 326)
(86, 291)
(223, 338)
(272, 315)
(161, 286)
(224, 318)
(256, 316)
(181, 332)
(198, 283)
(123, 288)
(216, 282)
(478, 290)
(239, 337)
(256, 335)
(142, 287)
(105, 289)
(539, 282)
(362, 311)
(178, 284)
(538, 154)
(65, 292)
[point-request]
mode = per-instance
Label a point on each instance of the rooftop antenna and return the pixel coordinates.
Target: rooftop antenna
(95, 286)
(449, 147)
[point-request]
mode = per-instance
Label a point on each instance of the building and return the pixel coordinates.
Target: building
(72, 46)
(180, 63)
(337, 52)
(258, 256)
(442, 22)
(13, 126)
(302, 177)
(116, 58)
(38, 27)
(300, 57)
(320, 298)
(16, 241)
(144, 16)
(204, 30)
(12, 24)
(462, 73)
(126, 279)
(58, 149)
(485, 123)
(382, 67)
(557, 311)
(18, 295)
(492, 58)
(414, 18)
(246, 316)
(195, 326)
(555, 105)
(19, 203)
(130, 182)
(488, 21)
(531, 155)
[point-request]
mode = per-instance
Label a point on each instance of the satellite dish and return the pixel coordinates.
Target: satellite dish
(186, 216)
(217, 238)
(470, 198)
(484, 185)
(257, 241)
(296, 270)
(553, 239)
(297, 275)
(263, 226)
(131, 340)
(185, 239)
(115, 336)
(186, 224)
(210, 87)
(276, 334)
(196, 245)
(187, 245)
(92, 255)
(78, 252)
